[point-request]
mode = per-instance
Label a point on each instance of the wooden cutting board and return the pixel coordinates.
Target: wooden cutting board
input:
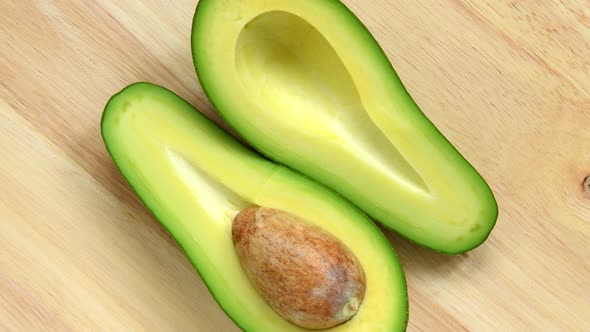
(507, 81)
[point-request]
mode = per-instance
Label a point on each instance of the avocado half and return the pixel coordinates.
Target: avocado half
(306, 84)
(195, 178)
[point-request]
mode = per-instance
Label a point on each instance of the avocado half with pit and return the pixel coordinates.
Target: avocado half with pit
(195, 178)
(306, 84)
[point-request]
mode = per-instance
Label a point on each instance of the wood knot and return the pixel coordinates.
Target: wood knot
(586, 186)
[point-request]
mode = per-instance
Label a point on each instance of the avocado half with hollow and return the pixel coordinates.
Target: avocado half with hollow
(195, 178)
(306, 84)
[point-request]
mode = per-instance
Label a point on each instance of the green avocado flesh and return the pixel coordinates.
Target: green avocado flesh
(306, 84)
(194, 178)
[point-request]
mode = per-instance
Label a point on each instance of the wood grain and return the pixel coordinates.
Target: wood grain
(507, 81)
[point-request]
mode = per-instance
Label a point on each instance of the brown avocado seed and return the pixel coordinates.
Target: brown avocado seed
(304, 273)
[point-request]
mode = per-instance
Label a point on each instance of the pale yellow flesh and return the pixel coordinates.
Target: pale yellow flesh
(305, 89)
(189, 170)
(301, 77)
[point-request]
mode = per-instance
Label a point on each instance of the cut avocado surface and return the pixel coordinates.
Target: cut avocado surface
(194, 178)
(306, 84)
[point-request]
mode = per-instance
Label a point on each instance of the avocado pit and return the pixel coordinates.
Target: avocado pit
(304, 273)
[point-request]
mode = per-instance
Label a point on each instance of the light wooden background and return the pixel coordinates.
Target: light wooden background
(507, 81)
